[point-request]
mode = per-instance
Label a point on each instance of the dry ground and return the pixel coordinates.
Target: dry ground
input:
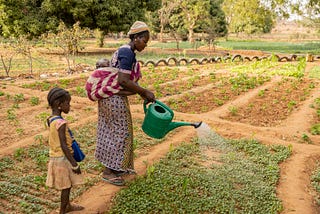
(294, 185)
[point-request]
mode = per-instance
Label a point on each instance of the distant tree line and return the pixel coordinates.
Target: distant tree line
(179, 18)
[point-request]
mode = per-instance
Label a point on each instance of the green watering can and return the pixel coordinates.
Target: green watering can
(158, 120)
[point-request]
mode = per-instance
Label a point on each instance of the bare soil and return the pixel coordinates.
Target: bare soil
(276, 125)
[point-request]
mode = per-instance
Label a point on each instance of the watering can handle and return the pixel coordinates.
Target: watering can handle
(145, 106)
(160, 103)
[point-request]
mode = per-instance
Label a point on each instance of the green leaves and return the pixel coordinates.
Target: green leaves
(244, 182)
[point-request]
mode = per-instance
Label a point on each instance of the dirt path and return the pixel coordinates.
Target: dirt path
(294, 184)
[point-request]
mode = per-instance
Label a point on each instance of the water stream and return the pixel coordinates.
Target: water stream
(208, 137)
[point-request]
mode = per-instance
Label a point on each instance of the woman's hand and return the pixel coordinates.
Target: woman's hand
(148, 95)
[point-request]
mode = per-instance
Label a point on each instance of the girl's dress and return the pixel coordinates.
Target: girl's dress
(114, 130)
(60, 174)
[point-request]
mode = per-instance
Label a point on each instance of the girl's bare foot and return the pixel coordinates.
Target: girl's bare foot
(74, 207)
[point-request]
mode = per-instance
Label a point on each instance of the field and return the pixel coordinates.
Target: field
(267, 111)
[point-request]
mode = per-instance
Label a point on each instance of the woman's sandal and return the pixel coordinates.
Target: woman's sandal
(118, 181)
(74, 207)
(129, 172)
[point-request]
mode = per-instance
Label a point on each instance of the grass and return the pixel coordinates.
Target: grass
(23, 174)
(173, 45)
(44, 63)
(315, 182)
(315, 72)
(243, 182)
(273, 47)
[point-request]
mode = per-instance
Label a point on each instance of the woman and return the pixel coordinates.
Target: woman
(114, 132)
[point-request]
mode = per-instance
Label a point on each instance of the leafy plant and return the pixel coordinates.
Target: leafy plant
(247, 175)
(43, 117)
(291, 105)
(315, 129)
(11, 115)
(261, 93)
(233, 110)
(306, 138)
(18, 98)
(19, 131)
(34, 101)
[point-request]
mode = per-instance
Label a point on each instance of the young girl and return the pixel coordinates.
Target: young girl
(63, 170)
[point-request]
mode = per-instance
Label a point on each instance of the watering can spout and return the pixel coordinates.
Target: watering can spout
(174, 125)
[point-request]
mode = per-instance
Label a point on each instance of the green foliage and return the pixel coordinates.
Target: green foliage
(43, 117)
(274, 47)
(18, 98)
(248, 16)
(315, 181)
(11, 115)
(314, 72)
(43, 85)
(21, 18)
(37, 17)
(306, 138)
(34, 101)
(315, 129)
(244, 182)
(68, 40)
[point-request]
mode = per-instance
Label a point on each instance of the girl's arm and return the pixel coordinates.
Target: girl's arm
(65, 149)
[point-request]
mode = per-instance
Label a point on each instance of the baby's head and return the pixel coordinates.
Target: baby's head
(57, 96)
(102, 63)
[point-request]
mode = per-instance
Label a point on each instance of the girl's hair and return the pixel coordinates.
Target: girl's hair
(140, 34)
(57, 95)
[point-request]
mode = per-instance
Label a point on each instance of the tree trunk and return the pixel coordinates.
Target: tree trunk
(191, 35)
(161, 33)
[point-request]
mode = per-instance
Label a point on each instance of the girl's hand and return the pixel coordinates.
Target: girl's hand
(76, 170)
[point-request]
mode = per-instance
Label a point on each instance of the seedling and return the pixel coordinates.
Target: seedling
(11, 115)
(39, 139)
(19, 131)
(261, 93)
(18, 98)
(43, 117)
(233, 110)
(218, 101)
(291, 105)
(81, 91)
(315, 129)
(34, 101)
(306, 138)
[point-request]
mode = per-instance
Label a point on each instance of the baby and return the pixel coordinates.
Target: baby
(101, 63)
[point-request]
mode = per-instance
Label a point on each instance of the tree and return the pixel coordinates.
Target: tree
(248, 16)
(67, 39)
(35, 17)
(310, 11)
(193, 11)
(7, 55)
(22, 45)
(164, 13)
(21, 18)
(215, 26)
